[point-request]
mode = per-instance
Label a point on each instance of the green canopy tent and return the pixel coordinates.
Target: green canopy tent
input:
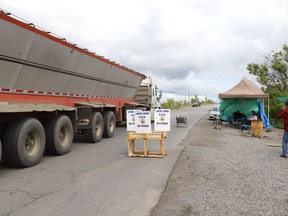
(244, 97)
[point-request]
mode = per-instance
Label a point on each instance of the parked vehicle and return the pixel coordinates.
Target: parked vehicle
(196, 104)
(214, 113)
(52, 89)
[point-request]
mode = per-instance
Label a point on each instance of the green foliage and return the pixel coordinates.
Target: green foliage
(208, 101)
(277, 123)
(273, 76)
(172, 104)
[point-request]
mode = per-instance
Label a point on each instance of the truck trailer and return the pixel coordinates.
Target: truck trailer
(52, 89)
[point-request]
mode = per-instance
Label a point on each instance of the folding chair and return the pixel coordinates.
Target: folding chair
(240, 121)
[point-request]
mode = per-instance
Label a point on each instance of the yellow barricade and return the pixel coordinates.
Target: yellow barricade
(132, 136)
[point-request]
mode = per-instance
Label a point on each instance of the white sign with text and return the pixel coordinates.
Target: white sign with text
(162, 120)
(142, 122)
(130, 120)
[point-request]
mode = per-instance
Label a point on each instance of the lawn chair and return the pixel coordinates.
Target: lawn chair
(245, 127)
(241, 121)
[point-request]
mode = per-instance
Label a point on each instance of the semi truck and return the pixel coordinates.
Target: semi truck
(149, 95)
(52, 89)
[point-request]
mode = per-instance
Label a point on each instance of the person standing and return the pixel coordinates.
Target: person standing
(283, 114)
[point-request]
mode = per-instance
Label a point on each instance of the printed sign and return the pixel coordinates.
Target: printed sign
(130, 120)
(162, 120)
(142, 122)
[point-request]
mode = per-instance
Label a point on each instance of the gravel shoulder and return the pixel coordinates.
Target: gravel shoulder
(225, 172)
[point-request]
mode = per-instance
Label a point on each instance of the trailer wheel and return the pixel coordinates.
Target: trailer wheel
(0, 150)
(109, 124)
(23, 143)
(59, 135)
(95, 134)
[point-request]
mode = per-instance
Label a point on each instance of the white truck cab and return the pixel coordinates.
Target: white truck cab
(149, 95)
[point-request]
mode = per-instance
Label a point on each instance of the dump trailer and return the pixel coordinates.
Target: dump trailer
(52, 89)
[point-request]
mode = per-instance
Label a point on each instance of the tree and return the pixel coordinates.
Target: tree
(273, 76)
(274, 72)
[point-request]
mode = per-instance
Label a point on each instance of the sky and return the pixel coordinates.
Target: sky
(189, 47)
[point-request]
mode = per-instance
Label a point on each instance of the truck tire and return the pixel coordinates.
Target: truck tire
(59, 135)
(95, 134)
(23, 143)
(109, 124)
(0, 150)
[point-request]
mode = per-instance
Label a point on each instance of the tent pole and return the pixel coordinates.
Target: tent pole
(268, 109)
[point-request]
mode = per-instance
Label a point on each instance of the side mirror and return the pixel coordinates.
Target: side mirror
(160, 95)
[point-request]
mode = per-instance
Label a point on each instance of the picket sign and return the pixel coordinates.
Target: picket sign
(162, 120)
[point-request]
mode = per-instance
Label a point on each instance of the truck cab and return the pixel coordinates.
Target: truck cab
(149, 95)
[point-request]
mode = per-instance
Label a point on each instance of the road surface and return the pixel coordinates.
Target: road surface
(95, 179)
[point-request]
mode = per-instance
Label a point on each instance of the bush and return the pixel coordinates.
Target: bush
(172, 104)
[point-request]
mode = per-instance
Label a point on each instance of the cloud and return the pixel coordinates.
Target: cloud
(197, 46)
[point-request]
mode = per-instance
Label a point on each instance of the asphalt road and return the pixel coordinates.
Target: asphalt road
(95, 179)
